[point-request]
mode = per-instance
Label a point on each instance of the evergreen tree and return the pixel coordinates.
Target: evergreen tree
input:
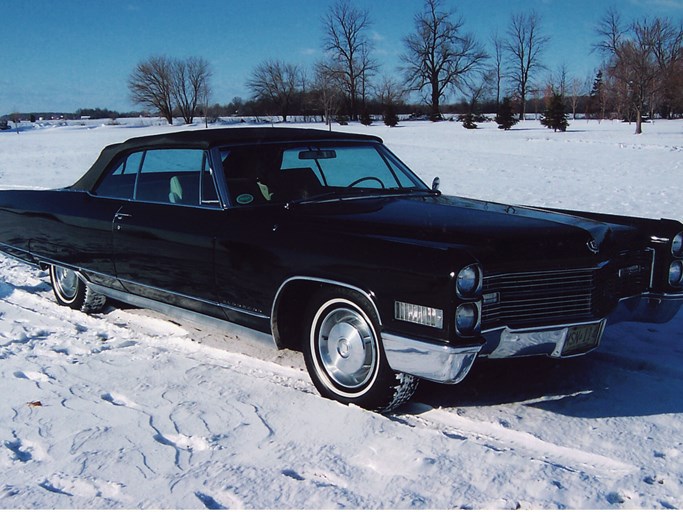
(555, 116)
(596, 91)
(365, 118)
(468, 121)
(390, 117)
(597, 95)
(506, 116)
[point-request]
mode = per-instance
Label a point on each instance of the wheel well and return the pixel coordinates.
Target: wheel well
(290, 307)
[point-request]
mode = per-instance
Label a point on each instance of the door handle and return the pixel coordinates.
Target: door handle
(118, 217)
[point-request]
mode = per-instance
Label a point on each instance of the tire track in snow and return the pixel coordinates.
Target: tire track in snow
(500, 438)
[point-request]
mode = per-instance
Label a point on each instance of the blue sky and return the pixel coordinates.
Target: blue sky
(61, 55)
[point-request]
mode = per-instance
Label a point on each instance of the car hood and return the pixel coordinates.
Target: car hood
(484, 228)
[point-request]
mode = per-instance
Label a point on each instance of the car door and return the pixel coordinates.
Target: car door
(163, 238)
(249, 267)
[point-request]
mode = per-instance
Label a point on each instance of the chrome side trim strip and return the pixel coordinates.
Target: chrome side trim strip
(438, 363)
(8, 251)
(82, 272)
(2, 244)
(181, 313)
(236, 309)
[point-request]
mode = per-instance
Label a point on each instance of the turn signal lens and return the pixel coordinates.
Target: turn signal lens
(431, 317)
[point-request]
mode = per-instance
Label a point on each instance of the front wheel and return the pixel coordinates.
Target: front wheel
(344, 354)
(70, 290)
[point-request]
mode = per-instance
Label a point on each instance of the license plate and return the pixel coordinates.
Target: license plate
(581, 339)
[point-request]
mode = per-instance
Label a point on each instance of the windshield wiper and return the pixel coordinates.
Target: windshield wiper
(357, 193)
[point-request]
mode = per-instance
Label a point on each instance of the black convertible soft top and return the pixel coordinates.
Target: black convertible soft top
(205, 139)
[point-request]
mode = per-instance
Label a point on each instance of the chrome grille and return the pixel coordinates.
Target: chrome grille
(529, 299)
(538, 297)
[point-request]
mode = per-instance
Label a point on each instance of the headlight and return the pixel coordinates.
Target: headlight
(468, 282)
(676, 273)
(677, 245)
(467, 319)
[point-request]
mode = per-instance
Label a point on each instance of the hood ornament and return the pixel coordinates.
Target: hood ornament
(593, 246)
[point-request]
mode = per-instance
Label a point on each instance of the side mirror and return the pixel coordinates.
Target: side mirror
(435, 184)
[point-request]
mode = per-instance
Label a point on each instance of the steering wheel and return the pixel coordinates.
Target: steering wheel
(366, 178)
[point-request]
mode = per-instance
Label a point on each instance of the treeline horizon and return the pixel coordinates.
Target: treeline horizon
(585, 108)
(641, 75)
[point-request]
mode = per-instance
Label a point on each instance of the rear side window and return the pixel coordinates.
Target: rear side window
(175, 176)
(120, 182)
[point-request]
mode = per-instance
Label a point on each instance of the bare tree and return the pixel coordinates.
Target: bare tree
(327, 89)
(667, 41)
(577, 89)
(498, 46)
(524, 45)
(439, 56)
(349, 50)
(390, 92)
(190, 79)
(477, 87)
(632, 61)
(278, 82)
(163, 83)
(151, 84)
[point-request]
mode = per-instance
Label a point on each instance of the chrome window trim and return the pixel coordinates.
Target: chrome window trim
(207, 157)
(138, 201)
(652, 266)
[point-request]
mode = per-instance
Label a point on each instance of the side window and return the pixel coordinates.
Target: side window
(251, 173)
(176, 176)
(120, 182)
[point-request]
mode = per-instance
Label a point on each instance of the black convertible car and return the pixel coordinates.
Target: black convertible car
(331, 244)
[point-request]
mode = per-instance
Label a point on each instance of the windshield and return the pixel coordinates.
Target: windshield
(300, 172)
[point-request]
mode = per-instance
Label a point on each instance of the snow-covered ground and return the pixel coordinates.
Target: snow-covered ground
(130, 409)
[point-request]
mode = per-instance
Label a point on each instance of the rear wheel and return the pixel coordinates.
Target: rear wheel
(70, 290)
(344, 354)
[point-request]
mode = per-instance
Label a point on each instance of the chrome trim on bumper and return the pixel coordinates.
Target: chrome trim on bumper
(656, 308)
(438, 363)
(549, 341)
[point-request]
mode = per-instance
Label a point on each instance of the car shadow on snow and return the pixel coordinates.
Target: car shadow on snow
(598, 385)
(5, 290)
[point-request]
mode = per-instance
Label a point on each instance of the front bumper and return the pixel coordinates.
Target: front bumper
(554, 341)
(655, 308)
(451, 364)
(438, 363)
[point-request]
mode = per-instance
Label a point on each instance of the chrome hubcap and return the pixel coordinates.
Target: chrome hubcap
(347, 347)
(66, 281)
